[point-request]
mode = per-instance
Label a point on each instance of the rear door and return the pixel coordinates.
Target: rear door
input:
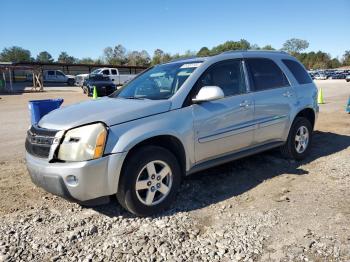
(225, 125)
(114, 76)
(273, 99)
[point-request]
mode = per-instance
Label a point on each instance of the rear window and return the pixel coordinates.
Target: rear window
(298, 71)
(266, 74)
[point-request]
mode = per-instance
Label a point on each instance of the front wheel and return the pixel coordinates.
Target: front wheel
(71, 82)
(299, 139)
(149, 181)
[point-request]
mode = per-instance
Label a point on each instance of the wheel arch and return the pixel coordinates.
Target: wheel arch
(307, 113)
(169, 142)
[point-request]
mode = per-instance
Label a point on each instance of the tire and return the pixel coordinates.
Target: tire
(135, 169)
(70, 82)
(293, 149)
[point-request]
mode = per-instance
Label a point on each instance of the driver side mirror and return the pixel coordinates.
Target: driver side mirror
(208, 93)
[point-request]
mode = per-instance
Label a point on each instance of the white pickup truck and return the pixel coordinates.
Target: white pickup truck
(55, 76)
(112, 73)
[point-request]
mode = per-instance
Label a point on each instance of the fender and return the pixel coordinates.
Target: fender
(177, 123)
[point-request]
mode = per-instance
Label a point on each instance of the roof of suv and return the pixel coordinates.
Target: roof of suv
(262, 53)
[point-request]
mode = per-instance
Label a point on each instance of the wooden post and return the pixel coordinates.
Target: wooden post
(4, 77)
(10, 77)
(13, 75)
(34, 83)
(38, 81)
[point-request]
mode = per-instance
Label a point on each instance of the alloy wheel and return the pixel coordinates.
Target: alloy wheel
(154, 183)
(301, 139)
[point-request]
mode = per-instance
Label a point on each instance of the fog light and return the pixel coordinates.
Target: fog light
(72, 180)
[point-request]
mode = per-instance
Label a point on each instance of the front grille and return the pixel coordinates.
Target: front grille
(39, 141)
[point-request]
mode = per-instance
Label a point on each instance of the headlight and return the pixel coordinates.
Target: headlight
(83, 143)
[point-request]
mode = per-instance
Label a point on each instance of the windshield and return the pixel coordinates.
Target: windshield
(96, 71)
(159, 82)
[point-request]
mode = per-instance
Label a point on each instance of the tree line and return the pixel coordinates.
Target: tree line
(119, 55)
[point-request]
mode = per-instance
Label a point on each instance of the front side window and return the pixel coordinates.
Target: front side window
(59, 73)
(99, 78)
(159, 82)
(265, 74)
(227, 75)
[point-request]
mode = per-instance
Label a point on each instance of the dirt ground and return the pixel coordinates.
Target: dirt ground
(308, 203)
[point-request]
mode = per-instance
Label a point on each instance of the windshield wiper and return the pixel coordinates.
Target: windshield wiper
(134, 97)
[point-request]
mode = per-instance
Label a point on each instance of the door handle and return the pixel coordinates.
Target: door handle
(287, 94)
(244, 104)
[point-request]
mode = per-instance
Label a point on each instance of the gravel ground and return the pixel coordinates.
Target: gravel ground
(261, 208)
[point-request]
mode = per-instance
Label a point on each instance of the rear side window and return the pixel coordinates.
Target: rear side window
(51, 73)
(265, 74)
(298, 71)
(114, 71)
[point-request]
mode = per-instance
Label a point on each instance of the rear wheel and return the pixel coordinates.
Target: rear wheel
(149, 181)
(299, 139)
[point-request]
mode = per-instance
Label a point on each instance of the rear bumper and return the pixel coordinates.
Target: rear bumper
(94, 178)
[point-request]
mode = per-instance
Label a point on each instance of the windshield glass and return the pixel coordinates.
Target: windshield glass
(159, 82)
(96, 71)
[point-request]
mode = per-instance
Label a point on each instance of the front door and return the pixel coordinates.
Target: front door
(50, 76)
(225, 125)
(60, 77)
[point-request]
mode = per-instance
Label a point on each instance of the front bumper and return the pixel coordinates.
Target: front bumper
(94, 178)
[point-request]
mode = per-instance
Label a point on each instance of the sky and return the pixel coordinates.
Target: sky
(83, 28)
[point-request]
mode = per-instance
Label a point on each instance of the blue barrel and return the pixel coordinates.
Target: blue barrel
(39, 108)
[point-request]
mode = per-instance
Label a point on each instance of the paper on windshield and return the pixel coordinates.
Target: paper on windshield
(191, 65)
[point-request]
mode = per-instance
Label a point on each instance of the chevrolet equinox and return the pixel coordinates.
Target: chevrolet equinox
(170, 121)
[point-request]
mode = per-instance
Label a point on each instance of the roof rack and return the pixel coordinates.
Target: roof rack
(183, 58)
(254, 50)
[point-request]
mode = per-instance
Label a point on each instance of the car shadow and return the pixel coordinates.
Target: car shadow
(237, 177)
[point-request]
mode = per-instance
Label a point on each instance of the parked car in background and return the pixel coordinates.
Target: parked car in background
(104, 85)
(56, 76)
(175, 119)
(312, 75)
(79, 79)
(320, 77)
(337, 76)
(112, 73)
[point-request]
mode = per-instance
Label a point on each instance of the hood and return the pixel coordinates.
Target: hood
(70, 76)
(111, 111)
(82, 75)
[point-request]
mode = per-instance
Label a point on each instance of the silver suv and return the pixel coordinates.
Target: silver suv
(172, 120)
